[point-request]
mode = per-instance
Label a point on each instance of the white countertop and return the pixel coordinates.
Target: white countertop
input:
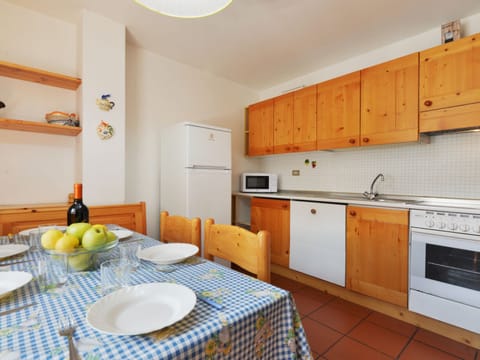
(471, 206)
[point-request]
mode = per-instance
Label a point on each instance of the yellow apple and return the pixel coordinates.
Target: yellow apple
(67, 243)
(80, 262)
(49, 238)
(111, 236)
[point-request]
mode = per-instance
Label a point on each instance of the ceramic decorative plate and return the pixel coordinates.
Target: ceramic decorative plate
(12, 280)
(12, 249)
(141, 309)
(168, 253)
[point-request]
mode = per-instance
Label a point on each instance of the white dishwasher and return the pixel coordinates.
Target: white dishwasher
(317, 240)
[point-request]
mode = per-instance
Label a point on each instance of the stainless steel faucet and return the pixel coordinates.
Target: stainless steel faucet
(371, 195)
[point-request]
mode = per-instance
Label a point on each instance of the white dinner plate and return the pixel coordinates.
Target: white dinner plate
(12, 280)
(27, 231)
(141, 309)
(12, 249)
(122, 234)
(168, 253)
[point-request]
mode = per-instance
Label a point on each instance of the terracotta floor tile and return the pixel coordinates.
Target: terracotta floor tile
(350, 307)
(416, 350)
(379, 338)
(348, 349)
(393, 324)
(319, 336)
(450, 346)
(308, 300)
(285, 283)
(336, 317)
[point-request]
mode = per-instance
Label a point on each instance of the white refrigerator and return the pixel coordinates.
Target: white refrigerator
(196, 175)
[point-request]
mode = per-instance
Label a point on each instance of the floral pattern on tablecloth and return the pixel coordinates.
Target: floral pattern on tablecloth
(264, 331)
(220, 343)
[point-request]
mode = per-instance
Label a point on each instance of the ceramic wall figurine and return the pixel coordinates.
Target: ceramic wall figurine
(105, 103)
(104, 130)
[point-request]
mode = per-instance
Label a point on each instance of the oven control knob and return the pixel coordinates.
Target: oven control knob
(476, 229)
(464, 227)
(453, 226)
(430, 223)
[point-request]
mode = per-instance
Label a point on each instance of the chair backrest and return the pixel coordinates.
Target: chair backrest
(175, 228)
(244, 248)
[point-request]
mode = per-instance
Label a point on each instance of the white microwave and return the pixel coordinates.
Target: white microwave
(258, 182)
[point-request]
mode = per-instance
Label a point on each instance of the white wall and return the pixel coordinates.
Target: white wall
(103, 73)
(448, 167)
(35, 168)
(162, 92)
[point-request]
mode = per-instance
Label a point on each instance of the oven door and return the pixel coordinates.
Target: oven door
(446, 265)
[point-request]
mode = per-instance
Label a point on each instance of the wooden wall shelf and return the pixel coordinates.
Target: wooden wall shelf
(39, 76)
(39, 127)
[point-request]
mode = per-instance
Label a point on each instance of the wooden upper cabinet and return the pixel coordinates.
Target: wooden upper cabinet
(295, 121)
(260, 128)
(283, 123)
(450, 85)
(377, 253)
(338, 112)
(305, 119)
(389, 102)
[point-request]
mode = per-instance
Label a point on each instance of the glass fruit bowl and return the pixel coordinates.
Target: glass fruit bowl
(80, 259)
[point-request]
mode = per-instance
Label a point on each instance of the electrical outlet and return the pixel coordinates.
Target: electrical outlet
(295, 172)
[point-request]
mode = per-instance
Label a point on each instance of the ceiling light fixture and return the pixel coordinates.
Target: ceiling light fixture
(185, 8)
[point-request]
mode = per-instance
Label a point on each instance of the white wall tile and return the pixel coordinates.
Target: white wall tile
(447, 167)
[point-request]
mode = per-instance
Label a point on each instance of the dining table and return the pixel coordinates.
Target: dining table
(234, 316)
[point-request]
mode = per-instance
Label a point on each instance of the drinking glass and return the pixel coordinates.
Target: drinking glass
(52, 272)
(129, 251)
(114, 274)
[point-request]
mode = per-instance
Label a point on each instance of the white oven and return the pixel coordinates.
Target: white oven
(444, 280)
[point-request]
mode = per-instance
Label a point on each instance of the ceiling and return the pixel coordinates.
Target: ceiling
(261, 43)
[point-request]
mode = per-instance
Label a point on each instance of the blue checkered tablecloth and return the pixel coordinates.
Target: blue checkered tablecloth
(257, 320)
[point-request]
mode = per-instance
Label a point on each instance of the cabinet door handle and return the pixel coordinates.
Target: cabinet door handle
(353, 213)
(428, 103)
(313, 211)
(351, 141)
(366, 140)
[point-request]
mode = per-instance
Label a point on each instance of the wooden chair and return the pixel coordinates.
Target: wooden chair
(244, 248)
(180, 229)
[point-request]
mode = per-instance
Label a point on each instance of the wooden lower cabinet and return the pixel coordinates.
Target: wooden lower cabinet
(377, 253)
(273, 215)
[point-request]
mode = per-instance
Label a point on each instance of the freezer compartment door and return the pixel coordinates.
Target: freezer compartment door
(208, 148)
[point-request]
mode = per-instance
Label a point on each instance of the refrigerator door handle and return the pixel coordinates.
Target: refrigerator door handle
(209, 167)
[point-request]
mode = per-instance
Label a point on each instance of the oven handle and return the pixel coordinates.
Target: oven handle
(443, 238)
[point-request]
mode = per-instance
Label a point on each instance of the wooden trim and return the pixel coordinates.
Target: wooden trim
(39, 76)
(39, 127)
(17, 218)
(452, 332)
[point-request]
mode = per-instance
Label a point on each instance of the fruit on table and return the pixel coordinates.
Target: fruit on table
(94, 237)
(78, 229)
(67, 243)
(111, 236)
(50, 238)
(79, 262)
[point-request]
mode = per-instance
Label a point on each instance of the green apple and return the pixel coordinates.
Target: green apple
(93, 238)
(111, 236)
(79, 262)
(78, 229)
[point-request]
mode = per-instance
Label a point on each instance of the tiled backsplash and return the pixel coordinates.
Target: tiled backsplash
(447, 167)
